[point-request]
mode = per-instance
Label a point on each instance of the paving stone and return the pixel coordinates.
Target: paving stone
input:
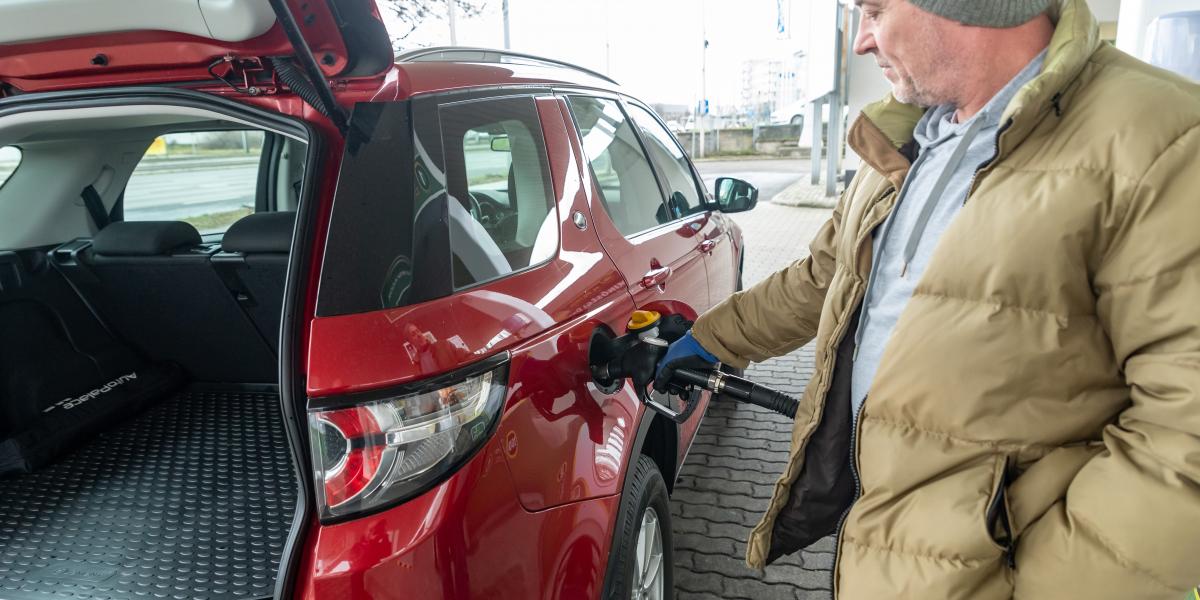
(740, 451)
(704, 543)
(682, 595)
(692, 581)
(814, 595)
(754, 589)
(825, 544)
(818, 560)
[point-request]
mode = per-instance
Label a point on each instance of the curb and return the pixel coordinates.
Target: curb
(804, 194)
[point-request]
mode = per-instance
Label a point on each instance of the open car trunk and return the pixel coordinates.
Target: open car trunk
(143, 449)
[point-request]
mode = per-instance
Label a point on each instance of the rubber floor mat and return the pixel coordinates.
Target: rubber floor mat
(192, 499)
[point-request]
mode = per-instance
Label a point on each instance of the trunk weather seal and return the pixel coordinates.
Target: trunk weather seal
(291, 378)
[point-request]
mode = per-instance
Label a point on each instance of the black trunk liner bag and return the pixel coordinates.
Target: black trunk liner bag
(57, 391)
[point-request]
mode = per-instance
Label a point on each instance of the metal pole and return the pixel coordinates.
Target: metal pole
(450, 14)
(702, 121)
(607, 29)
(816, 134)
(835, 110)
(504, 8)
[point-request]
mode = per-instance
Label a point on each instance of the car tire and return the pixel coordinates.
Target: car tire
(643, 519)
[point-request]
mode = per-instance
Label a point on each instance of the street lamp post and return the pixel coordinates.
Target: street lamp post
(702, 120)
(504, 9)
(450, 17)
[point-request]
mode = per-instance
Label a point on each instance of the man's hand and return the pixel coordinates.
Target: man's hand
(685, 353)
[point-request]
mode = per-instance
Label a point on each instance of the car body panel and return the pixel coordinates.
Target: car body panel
(382, 348)
(99, 56)
(466, 538)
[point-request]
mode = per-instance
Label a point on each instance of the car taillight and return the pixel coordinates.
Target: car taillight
(385, 450)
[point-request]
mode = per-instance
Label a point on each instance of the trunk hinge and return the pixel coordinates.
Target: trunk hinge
(244, 75)
(322, 97)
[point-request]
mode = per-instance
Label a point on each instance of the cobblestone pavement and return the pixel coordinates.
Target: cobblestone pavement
(740, 450)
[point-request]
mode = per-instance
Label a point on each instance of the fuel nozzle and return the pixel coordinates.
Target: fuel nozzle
(635, 356)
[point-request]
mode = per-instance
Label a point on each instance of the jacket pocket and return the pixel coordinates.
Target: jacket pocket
(997, 518)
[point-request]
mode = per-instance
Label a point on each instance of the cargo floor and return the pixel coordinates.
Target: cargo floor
(191, 499)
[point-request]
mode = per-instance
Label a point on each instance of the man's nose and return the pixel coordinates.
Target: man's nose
(864, 40)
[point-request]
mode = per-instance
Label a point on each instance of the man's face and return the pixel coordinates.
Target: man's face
(913, 47)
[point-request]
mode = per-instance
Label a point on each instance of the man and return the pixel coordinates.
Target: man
(1006, 308)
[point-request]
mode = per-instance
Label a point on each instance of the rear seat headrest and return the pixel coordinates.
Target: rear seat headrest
(261, 232)
(144, 238)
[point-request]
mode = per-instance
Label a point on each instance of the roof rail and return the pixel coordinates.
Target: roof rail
(489, 55)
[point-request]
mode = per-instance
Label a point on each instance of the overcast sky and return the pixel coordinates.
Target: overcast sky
(654, 46)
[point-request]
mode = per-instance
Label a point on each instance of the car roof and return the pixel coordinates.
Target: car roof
(444, 69)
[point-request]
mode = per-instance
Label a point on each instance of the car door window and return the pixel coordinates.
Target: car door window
(628, 189)
(206, 178)
(684, 195)
(501, 206)
(10, 157)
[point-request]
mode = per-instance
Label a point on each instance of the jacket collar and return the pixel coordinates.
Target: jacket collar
(887, 125)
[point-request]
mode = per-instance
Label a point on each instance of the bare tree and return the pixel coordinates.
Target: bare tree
(413, 13)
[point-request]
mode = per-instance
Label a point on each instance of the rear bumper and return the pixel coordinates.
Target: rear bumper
(466, 538)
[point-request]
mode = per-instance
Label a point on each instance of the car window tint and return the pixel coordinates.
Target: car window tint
(683, 194)
(628, 189)
(206, 178)
(10, 157)
(501, 207)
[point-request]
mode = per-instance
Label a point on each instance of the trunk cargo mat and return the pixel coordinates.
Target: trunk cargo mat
(192, 499)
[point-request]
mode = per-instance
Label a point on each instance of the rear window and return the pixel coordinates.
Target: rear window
(10, 157)
(435, 195)
(206, 178)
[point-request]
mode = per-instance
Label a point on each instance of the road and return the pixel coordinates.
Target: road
(176, 194)
(770, 176)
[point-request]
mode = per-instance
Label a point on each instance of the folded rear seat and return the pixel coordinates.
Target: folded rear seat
(153, 282)
(253, 263)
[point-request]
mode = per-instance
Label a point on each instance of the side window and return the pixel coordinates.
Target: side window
(10, 157)
(500, 205)
(685, 197)
(206, 178)
(627, 185)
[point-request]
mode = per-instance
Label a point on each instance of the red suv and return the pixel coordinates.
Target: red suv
(284, 316)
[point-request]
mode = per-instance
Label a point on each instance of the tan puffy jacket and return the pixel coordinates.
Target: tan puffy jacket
(1033, 430)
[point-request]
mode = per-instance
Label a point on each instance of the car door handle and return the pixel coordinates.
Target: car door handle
(708, 245)
(656, 277)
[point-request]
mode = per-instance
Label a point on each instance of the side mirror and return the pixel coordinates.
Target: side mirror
(735, 195)
(501, 144)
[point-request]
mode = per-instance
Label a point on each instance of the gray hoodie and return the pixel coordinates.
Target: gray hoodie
(934, 191)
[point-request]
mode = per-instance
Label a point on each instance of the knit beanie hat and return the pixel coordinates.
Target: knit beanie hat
(985, 13)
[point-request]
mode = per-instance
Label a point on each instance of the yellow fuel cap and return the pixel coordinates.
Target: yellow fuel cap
(641, 320)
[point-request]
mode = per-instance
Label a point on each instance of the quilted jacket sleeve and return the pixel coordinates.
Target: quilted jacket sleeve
(1129, 526)
(781, 312)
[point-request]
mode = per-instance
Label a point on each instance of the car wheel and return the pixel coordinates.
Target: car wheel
(643, 551)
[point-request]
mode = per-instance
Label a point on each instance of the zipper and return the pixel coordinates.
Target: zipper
(857, 417)
(983, 166)
(837, 532)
